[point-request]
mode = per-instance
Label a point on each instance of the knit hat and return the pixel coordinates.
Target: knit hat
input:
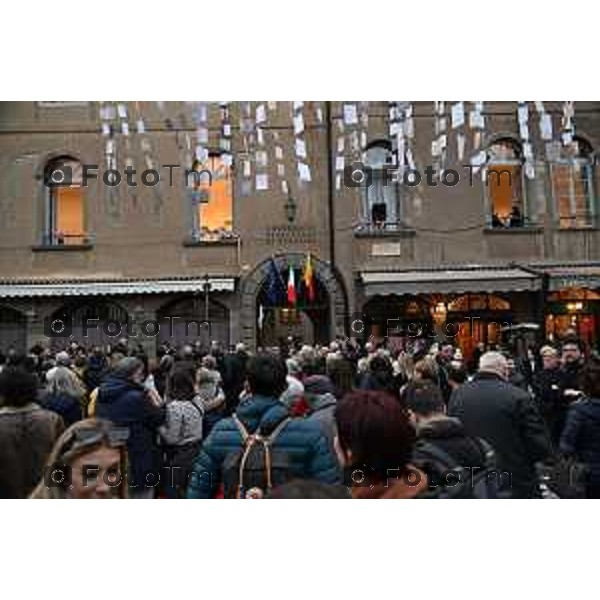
(318, 385)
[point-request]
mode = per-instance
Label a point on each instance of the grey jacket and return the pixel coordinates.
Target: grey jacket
(323, 413)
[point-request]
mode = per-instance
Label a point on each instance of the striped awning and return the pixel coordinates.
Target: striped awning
(449, 281)
(31, 288)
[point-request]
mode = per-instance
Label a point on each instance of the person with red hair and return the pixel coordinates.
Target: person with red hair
(374, 443)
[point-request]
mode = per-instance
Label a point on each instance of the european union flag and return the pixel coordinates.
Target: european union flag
(274, 292)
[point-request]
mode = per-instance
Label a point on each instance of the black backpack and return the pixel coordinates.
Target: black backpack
(463, 483)
(257, 467)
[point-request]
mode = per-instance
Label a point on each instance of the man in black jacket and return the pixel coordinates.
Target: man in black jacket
(506, 417)
(435, 429)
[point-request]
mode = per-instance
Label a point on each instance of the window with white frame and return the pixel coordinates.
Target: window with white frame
(381, 205)
(64, 203)
(212, 199)
(573, 186)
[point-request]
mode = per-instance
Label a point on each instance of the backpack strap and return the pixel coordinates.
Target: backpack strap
(430, 450)
(249, 440)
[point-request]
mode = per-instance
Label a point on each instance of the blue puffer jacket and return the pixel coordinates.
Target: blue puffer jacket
(581, 435)
(307, 447)
(125, 404)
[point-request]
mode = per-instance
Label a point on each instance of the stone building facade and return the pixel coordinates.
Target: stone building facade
(396, 256)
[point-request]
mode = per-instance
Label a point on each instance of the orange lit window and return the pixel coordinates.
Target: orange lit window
(65, 209)
(504, 184)
(572, 186)
(213, 199)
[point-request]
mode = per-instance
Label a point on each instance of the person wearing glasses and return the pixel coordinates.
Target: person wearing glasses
(88, 461)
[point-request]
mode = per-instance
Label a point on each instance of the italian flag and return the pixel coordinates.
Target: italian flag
(291, 287)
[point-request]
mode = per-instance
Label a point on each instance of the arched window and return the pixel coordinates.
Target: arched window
(573, 186)
(64, 222)
(212, 199)
(504, 184)
(380, 198)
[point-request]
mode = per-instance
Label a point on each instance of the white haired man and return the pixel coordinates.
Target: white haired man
(506, 416)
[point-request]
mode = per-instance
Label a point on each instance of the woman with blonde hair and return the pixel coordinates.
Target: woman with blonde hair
(88, 461)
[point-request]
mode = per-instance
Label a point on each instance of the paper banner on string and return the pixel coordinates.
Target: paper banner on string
(350, 114)
(460, 146)
(262, 181)
(298, 124)
(546, 132)
(458, 115)
(300, 148)
(304, 172)
(261, 115)
(261, 158)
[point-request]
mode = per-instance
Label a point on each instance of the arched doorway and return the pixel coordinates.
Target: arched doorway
(13, 329)
(307, 320)
(90, 323)
(335, 304)
(575, 309)
(183, 321)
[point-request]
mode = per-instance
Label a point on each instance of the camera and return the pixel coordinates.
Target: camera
(58, 174)
(58, 326)
(57, 475)
(358, 175)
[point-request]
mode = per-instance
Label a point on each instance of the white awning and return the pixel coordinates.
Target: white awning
(449, 281)
(31, 288)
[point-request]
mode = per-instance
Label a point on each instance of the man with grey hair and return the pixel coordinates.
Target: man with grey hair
(505, 416)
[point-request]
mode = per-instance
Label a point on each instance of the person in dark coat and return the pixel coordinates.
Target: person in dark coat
(306, 446)
(27, 433)
(379, 376)
(507, 418)
(546, 389)
(581, 435)
(123, 400)
(435, 428)
(234, 376)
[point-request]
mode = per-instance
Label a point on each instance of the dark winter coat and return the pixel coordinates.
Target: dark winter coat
(27, 435)
(307, 447)
(507, 418)
(66, 406)
(125, 404)
(581, 436)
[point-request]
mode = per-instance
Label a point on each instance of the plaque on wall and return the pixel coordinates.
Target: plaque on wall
(386, 249)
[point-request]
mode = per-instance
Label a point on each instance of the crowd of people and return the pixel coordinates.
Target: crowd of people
(343, 420)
